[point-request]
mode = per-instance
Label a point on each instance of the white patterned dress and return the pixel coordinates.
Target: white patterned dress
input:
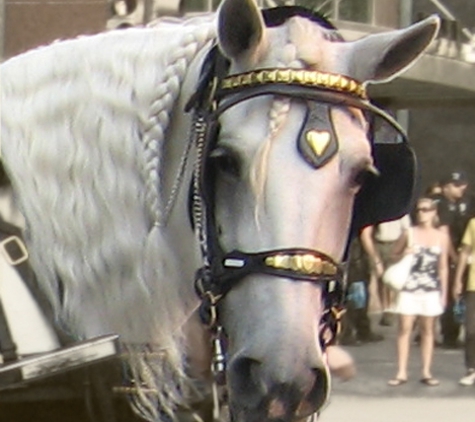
(421, 295)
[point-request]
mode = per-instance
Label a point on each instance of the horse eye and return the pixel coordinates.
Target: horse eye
(360, 178)
(226, 161)
(363, 175)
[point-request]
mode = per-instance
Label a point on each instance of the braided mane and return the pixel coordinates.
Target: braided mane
(90, 117)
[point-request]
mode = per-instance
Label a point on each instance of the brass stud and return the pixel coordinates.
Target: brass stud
(258, 77)
(278, 261)
(325, 79)
(310, 78)
(317, 266)
(270, 261)
(282, 262)
(235, 82)
(307, 263)
(246, 79)
(329, 269)
(227, 83)
(353, 86)
(296, 263)
(300, 76)
(283, 75)
(334, 80)
(344, 82)
(270, 76)
(286, 262)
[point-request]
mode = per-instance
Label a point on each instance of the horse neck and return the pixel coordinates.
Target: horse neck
(134, 78)
(165, 119)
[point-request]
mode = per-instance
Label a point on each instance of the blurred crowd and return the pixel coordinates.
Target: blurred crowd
(433, 305)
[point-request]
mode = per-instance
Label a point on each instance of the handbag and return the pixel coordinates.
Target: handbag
(459, 310)
(356, 296)
(397, 274)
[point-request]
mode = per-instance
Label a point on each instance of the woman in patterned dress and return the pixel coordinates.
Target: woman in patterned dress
(425, 293)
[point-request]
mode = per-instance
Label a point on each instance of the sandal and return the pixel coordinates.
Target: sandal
(430, 382)
(396, 382)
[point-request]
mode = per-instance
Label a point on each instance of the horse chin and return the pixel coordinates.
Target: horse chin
(284, 403)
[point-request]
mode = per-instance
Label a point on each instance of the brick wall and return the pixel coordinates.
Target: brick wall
(30, 23)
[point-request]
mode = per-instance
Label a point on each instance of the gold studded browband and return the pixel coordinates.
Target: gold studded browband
(308, 78)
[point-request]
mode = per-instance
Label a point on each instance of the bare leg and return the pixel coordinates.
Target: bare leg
(427, 344)
(373, 292)
(406, 322)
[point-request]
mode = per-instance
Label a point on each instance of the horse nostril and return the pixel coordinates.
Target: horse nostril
(245, 382)
(277, 394)
(317, 396)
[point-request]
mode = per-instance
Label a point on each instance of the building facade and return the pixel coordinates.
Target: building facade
(439, 91)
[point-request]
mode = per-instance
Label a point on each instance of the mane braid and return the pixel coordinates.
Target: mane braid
(101, 265)
(159, 117)
(277, 116)
(162, 383)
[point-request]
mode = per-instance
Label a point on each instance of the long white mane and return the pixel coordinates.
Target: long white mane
(89, 118)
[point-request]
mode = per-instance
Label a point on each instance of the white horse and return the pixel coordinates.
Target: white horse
(96, 144)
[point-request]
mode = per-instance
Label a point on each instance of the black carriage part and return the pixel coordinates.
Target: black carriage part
(52, 375)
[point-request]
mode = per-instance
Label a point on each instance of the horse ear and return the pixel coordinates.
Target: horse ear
(382, 57)
(240, 27)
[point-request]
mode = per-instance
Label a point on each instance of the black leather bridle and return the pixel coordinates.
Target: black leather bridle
(216, 93)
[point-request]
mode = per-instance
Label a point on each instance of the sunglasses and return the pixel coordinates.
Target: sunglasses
(424, 209)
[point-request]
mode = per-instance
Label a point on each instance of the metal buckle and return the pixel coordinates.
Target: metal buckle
(21, 246)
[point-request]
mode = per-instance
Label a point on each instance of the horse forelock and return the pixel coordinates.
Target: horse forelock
(301, 43)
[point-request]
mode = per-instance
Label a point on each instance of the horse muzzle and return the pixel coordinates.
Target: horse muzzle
(259, 393)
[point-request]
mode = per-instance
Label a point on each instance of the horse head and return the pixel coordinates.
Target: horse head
(288, 152)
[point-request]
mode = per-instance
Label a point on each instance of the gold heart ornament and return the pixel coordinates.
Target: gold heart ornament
(318, 141)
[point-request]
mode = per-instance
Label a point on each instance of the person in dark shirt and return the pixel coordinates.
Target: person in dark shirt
(356, 324)
(455, 207)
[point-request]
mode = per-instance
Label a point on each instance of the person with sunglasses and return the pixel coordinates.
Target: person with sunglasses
(424, 294)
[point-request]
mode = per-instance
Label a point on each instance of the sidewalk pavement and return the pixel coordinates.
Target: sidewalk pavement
(399, 409)
(368, 398)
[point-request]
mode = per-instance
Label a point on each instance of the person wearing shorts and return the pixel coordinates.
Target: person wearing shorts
(424, 294)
